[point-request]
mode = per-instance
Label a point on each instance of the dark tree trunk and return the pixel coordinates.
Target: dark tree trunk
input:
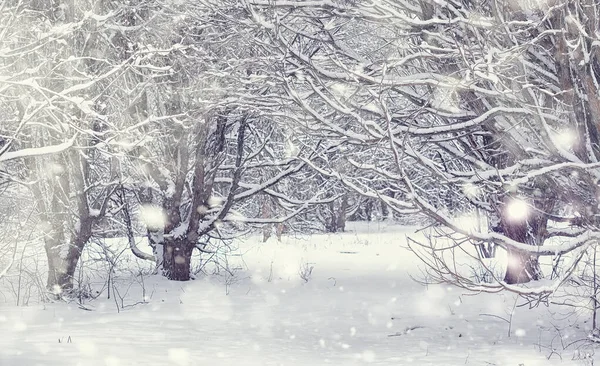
(332, 224)
(369, 210)
(336, 216)
(523, 267)
(386, 213)
(341, 214)
(177, 258)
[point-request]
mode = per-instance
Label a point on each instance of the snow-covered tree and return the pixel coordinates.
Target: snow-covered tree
(467, 107)
(212, 149)
(61, 76)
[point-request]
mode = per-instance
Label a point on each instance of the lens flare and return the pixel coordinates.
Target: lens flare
(517, 210)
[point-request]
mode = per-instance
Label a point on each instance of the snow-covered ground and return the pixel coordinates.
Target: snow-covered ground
(344, 299)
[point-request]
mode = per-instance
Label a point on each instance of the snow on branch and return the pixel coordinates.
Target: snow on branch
(37, 151)
(582, 240)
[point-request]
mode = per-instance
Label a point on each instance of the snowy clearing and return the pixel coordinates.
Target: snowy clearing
(344, 299)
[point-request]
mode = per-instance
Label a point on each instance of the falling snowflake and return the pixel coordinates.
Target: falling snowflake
(153, 217)
(517, 210)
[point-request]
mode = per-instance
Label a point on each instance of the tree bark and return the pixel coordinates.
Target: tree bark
(341, 214)
(60, 270)
(63, 256)
(177, 259)
(523, 267)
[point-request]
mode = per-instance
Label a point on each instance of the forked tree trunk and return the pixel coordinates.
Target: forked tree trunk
(177, 259)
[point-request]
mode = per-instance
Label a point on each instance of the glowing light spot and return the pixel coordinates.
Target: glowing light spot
(368, 356)
(512, 263)
(566, 139)
(112, 361)
(517, 210)
(20, 326)
(342, 90)
(153, 217)
(54, 169)
(469, 222)
(446, 99)
(470, 190)
(520, 332)
(291, 149)
(56, 289)
(179, 356)
(202, 210)
(215, 201)
(87, 348)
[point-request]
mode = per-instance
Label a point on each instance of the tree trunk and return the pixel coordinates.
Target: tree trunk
(523, 267)
(266, 214)
(177, 258)
(62, 262)
(279, 230)
(369, 210)
(331, 225)
(266, 233)
(341, 214)
(60, 273)
(156, 242)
